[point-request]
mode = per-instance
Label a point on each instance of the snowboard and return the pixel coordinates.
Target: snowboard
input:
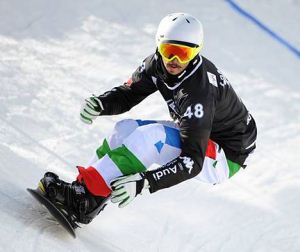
(59, 216)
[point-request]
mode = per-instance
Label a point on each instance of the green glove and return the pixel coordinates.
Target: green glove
(91, 109)
(126, 188)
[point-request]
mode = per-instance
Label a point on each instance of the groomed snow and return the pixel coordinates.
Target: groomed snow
(53, 54)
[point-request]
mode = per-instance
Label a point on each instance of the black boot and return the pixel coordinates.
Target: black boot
(72, 198)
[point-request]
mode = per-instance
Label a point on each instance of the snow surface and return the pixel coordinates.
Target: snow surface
(53, 54)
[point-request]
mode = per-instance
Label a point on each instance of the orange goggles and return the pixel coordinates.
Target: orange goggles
(183, 53)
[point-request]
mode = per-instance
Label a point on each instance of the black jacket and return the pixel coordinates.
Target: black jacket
(203, 103)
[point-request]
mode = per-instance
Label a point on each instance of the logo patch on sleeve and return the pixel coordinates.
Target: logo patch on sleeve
(212, 78)
(128, 82)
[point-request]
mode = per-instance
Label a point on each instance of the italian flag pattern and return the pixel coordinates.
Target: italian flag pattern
(136, 145)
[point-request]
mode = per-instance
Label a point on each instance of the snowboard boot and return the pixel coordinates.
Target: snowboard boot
(73, 199)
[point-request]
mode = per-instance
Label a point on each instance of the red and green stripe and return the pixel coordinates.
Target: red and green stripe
(123, 160)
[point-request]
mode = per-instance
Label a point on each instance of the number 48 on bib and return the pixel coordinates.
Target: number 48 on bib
(194, 110)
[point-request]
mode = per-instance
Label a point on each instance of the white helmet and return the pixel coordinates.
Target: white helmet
(182, 28)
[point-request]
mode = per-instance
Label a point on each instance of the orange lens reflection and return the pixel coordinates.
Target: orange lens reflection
(183, 53)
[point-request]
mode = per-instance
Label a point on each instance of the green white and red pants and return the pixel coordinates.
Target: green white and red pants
(137, 145)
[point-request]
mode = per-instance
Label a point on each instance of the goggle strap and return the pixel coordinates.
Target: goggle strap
(176, 42)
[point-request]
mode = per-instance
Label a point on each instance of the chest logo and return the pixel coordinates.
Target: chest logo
(172, 106)
(212, 78)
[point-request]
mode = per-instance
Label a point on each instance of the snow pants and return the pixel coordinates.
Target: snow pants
(138, 145)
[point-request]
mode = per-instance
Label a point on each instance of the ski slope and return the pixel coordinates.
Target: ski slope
(53, 54)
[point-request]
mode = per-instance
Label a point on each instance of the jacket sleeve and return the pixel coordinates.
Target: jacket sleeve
(197, 113)
(122, 98)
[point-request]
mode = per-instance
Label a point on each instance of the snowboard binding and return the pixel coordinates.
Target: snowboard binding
(72, 199)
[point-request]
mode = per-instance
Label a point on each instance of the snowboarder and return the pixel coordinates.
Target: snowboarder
(211, 135)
